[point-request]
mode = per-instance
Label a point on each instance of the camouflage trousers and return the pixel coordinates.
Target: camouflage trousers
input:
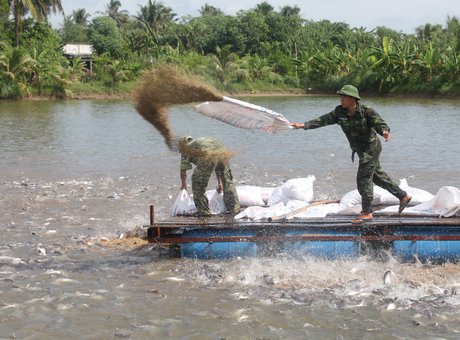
(369, 172)
(200, 180)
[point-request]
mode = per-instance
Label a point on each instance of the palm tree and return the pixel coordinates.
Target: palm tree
(426, 32)
(288, 11)
(75, 26)
(453, 30)
(80, 17)
(15, 63)
(210, 10)
(116, 72)
(155, 17)
(264, 8)
(227, 65)
(39, 9)
(112, 9)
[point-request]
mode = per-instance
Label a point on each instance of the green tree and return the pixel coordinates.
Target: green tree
(138, 40)
(105, 37)
(112, 10)
(4, 14)
(115, 73)
(38, 9)
(156, 17)
(16, 66)
(284, 31)
(453, 33)
(255, 31)
(224, 63)
(288, 11)
(205, 33)
(382, 31)
(41, 37)
(71, 32)
(80, 17)
(75, 26)
(210, 10)
(264, 8)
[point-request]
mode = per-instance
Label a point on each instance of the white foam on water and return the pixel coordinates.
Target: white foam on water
(356, 282)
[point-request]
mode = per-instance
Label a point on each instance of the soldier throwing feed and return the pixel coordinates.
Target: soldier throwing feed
(361, 124)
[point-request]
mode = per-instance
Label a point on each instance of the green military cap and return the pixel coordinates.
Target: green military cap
(349, 90)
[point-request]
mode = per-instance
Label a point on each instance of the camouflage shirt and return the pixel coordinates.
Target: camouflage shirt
(200, 146)
(360, 128)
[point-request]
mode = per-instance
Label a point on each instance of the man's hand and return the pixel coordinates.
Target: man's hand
(298, 125)
(219, 188)
(386, 134)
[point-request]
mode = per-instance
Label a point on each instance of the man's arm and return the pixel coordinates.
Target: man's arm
(379, 125)
(324, 120)
(183, 179)
(219, 183)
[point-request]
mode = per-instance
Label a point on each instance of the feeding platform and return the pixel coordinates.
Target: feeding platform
(334, 236)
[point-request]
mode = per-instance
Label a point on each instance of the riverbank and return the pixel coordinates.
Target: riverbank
(275, 93)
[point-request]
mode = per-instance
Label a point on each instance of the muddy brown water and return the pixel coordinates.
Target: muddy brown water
(77, 175)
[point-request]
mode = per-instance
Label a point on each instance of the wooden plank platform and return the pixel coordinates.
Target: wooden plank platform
(384, 227)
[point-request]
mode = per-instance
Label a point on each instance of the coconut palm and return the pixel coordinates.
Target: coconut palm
(453, 31)
(288, 11)
(112, 9)
(15, 63)
(210, 10)
(16, 68)
(115, 73)
(80, 17)
(39, 9)
(227, 65)
(264, 8)
(155, 17)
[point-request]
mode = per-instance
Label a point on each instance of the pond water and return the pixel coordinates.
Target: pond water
(78, 174)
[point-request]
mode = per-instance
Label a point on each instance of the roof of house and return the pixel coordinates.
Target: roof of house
(78, 49)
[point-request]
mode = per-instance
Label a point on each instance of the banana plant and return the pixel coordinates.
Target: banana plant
(390, 63)
(430, 63)
(451, 68)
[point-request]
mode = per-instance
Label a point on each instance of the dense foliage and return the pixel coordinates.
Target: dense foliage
(253, 51)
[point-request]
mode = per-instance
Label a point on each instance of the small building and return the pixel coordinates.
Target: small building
(82, 50)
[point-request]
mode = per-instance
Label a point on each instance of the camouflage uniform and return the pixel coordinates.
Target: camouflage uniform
(203, 171)
(361, 130)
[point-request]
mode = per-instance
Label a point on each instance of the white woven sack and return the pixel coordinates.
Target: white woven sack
(300, 189)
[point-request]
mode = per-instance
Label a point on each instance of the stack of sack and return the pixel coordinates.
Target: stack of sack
(298, 189)
(297, 193)
(288, 196)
